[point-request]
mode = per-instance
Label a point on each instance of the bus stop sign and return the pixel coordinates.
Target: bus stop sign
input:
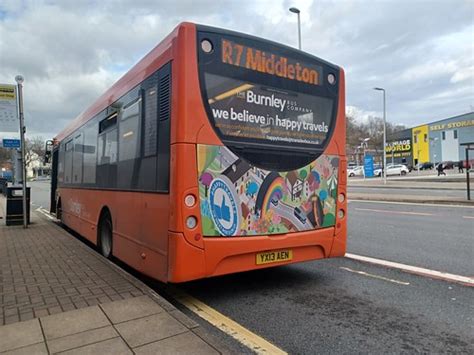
(11, 143)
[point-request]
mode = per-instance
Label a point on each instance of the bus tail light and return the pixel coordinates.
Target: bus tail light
(340, 214)
(191, 222)
(190, 200)
(341, 198)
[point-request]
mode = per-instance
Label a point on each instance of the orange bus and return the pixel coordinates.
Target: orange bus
(218, 152)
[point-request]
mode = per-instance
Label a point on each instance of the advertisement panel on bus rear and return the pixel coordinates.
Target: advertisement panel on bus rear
(248, 110)
(239, 199)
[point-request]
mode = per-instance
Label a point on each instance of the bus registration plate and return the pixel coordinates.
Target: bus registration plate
(274, 256)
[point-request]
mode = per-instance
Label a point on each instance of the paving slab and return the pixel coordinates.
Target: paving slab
(149, 329)
(186, 343)
(46, 270)
(35, 349)
(114, 346)
(58, 295)
(81, 339)
(79, 320)
(18, 335)
(125, 310)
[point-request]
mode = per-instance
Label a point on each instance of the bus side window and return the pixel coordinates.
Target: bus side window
(61, 164)
(77, 158)
(129, 144)
(145, 178)
(107, 157)
(68, 162)
(90, 152)
(150, 125)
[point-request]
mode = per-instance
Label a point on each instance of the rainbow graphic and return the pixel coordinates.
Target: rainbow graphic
(272, 188)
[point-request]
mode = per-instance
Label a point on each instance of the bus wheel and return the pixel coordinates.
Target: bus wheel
(105, 235)
(59, 211)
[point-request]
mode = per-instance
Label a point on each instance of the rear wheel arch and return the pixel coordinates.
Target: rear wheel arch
(105, 233)
(59, 209)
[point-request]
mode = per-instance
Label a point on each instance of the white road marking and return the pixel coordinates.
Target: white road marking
(46, 213)
(411, 203)
(468, 217)
(227, 325)
(469, 281)
(395, 212)
(374, 276)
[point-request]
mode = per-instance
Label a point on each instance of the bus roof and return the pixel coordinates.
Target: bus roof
(140, 71)
(147, 66)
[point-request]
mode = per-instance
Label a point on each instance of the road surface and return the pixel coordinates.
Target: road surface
(342, 305)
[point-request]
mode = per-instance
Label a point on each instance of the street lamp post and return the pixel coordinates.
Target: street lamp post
(384, 136)
(297, 11)
(19, 80)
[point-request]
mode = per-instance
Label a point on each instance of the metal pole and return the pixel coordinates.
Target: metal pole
(384, 140)
(19, 80)
(299, 32)
(467, 175)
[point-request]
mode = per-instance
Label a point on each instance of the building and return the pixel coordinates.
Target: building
(399, 149)
(432, 142)
(446, 137)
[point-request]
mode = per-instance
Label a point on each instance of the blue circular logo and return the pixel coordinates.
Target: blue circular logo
(223, 206)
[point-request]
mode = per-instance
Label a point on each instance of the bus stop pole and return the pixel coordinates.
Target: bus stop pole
(467, 175)
(19, 80)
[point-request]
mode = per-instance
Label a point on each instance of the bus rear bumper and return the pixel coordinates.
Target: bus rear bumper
(229, 255)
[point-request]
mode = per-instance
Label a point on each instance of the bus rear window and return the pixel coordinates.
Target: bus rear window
(263, 113)
(271, 105)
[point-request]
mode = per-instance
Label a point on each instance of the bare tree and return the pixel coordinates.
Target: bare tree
(373, 128)
(34, 149)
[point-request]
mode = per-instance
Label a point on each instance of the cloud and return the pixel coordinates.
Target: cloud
(71, 51)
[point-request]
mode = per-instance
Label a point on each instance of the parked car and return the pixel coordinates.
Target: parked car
(356, 171)
(424, 166)
(397, 169)
(446, 165)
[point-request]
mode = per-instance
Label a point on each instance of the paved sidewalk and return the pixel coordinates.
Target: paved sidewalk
(409, 184)
(409, 198)
(59, 295)
(377, 189)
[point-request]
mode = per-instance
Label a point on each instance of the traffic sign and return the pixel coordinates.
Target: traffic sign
(8, 109)
(368, 166)
(11, 143)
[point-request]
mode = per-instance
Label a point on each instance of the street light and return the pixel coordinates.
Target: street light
(297, 11)
(384, 137)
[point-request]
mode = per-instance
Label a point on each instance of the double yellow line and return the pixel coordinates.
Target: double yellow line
(225, 324)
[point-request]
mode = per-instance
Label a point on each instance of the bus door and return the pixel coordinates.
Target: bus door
(54, 179)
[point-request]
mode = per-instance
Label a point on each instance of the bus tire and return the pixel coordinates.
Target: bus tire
(105, 237)
(59, 211)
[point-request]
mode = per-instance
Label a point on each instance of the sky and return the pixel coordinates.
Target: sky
(71, 51)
